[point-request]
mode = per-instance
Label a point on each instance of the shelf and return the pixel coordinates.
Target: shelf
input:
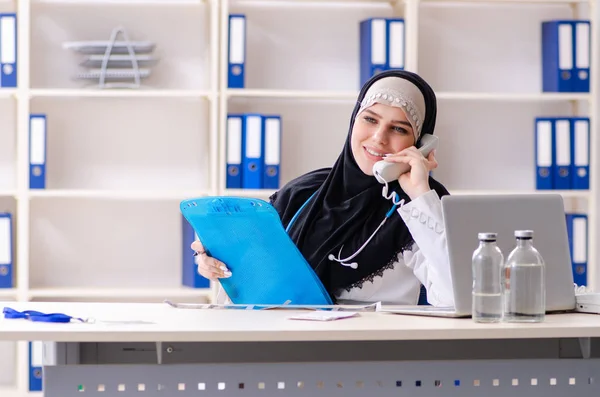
(121, 2)
(294, 94)
(8, 193)
(584, 194)
(495, 2)
(315, 3)
(7, 93)
(139, 93)
(350, 95)
(117, 293)
(9, 293)
(513, 97)
(256, 193)
(565, 193)
(147, 195)
(7, 391)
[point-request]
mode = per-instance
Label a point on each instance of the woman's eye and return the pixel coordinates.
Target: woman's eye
(400, 130)
(369, 119)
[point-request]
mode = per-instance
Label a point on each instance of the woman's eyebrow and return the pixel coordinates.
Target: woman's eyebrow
(403, 122)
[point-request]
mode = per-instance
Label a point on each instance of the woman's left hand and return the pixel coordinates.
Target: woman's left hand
(416, 181)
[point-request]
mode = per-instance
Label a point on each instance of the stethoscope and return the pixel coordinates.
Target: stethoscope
(344, 261)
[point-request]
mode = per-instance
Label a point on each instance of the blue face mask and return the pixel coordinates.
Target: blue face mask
(39, 316)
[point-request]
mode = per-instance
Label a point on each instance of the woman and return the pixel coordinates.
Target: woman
(336, 210)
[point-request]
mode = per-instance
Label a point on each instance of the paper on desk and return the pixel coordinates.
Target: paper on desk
(320, 315)
(374, 307)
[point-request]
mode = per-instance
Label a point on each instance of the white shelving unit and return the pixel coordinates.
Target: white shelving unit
(119, 161)
(107, 226)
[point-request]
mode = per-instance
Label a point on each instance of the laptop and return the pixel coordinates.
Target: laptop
(467, 215)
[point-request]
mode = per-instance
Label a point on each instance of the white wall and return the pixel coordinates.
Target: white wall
(303, 47)
(8, 138)
(126, 143)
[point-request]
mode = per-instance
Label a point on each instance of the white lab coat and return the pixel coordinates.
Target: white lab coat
(426, 263)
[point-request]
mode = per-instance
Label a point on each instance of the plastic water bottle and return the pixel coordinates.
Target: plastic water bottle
(524, 282)
(487, 264)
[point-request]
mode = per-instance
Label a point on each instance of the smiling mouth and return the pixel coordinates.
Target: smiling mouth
(373, 154)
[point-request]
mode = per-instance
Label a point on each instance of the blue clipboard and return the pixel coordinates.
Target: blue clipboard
(247, 235)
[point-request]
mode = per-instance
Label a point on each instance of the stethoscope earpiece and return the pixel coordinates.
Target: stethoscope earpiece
(342, 262)
(354, 265)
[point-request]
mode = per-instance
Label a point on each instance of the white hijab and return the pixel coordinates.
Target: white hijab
(395, 91)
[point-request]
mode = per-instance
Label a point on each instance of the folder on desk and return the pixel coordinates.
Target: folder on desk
(252, 151)
(581, 78)
(189, 271)
(8, 50)
(272, 138)
(234, 151)
(544, 149)
(6, 251)
(577, 231)
(562, 152)
(557, 56)
(37, 151)
(236, 51)
(580, 147)
(36, 354)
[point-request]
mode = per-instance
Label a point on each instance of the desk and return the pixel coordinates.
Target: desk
(185, 352)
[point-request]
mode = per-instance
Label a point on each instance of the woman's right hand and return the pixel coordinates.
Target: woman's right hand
(209, 267)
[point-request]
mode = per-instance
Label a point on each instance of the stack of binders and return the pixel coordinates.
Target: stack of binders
(566, 56)
(562, 153)
(8, 50)
(253, 151)
(381, 46)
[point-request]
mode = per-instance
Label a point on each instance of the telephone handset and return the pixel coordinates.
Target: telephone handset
(385, 171)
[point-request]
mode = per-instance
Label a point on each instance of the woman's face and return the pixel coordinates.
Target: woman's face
(378, 130)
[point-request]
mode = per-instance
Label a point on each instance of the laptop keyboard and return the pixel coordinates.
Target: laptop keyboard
(433, 309)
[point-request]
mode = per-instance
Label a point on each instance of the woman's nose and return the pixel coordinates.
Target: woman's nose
(379, 135)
